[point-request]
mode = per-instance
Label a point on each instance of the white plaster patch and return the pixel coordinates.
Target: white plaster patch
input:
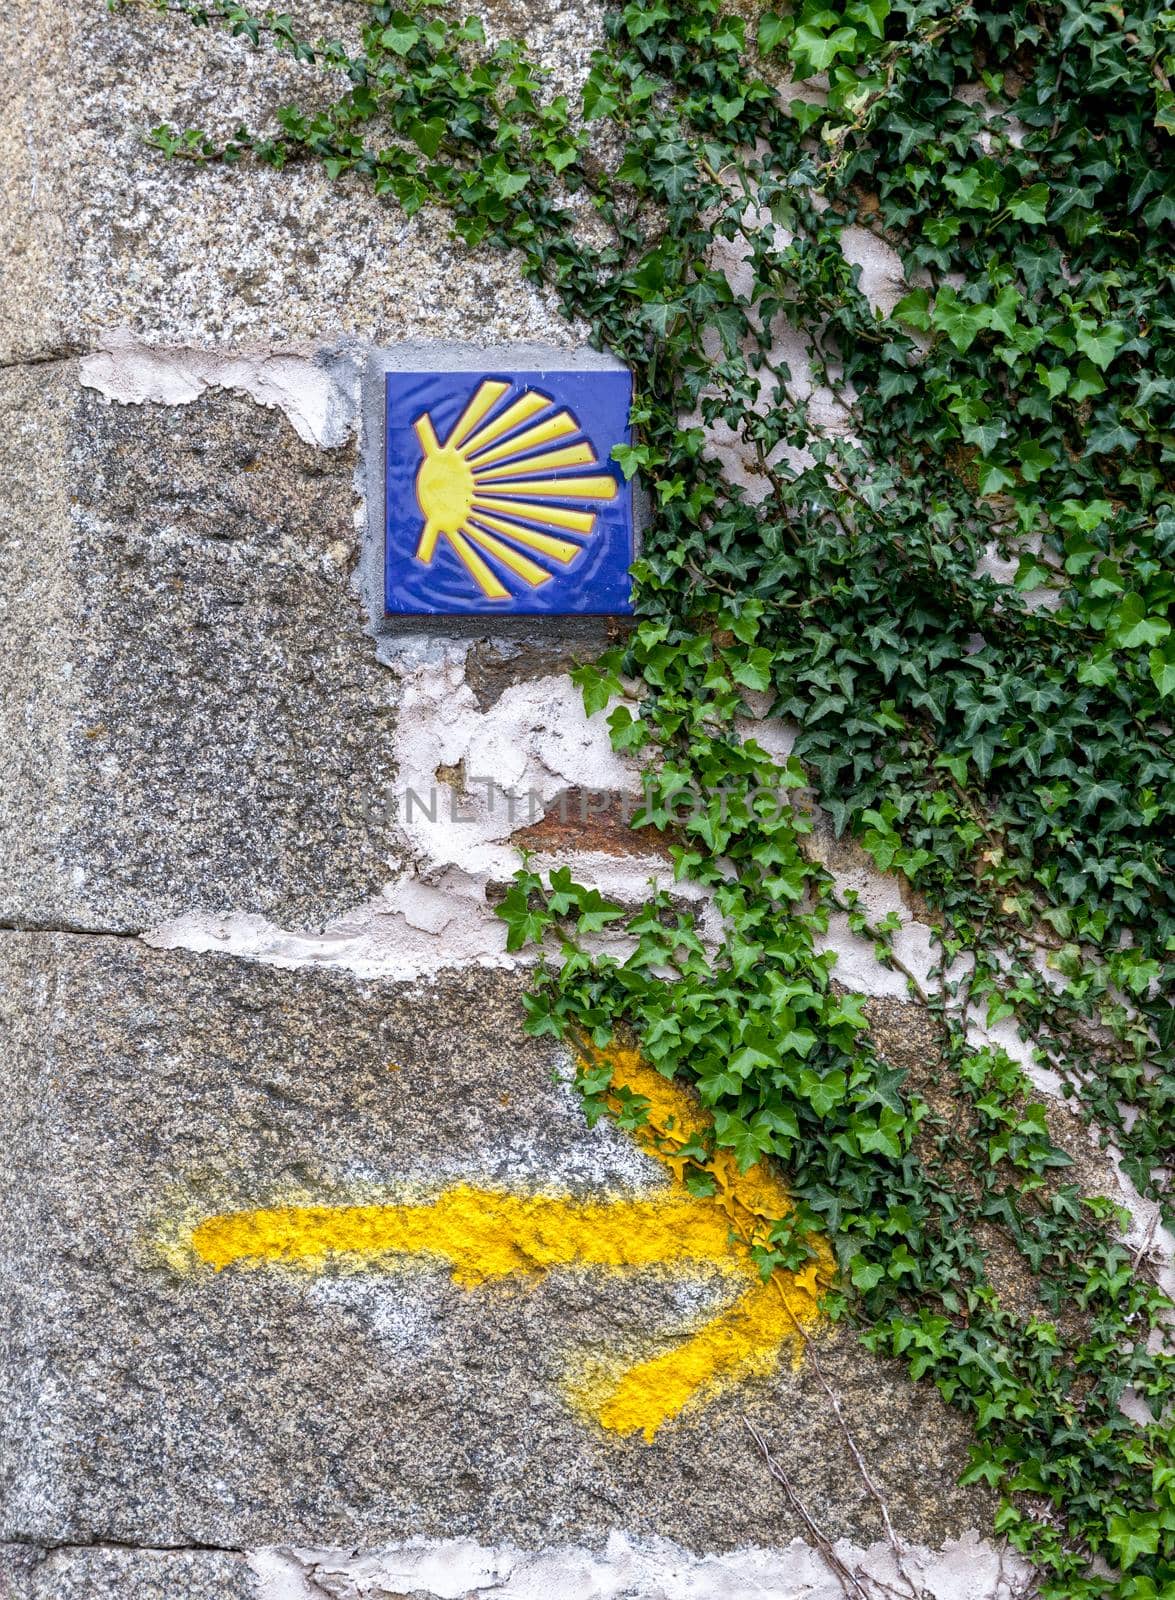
(1003, 569)
(320, 406)
(536, 740)
(772, 734)
(629, 1568)
(1144, 1234)
(976, 94)
(383, 938)
(882, 279)
(281, 1576)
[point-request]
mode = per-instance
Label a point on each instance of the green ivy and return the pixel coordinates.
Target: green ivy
(1005, 745)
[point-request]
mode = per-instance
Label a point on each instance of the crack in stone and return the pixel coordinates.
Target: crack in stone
(44, 358)
(65, 1546)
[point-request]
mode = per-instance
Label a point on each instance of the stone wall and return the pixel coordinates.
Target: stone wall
(238, 973)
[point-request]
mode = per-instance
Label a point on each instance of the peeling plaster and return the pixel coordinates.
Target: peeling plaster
(536, 738)
(882, 282)
(1002, 570)
(316, 391)
(630, 1568)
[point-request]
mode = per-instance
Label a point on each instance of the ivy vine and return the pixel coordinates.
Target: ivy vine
(1002, 742)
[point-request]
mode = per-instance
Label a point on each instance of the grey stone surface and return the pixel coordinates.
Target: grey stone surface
(27, 1573)
(36, 613)
(192, 715)
(98, 230)
(147, 1401)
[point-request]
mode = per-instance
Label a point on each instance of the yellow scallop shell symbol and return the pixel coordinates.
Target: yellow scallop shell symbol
(487, 488)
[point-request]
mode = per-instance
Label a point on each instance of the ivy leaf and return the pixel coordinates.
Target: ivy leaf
(1054, 379)
(975, 187)
(755, 671)
(1162, 665)
(428, 135)
(1031, 204)
(627, 732)
(1031, 574)
(630, 458)
(599, 98)
(672, 167)
(773, 31)
(1111, 436)
(1099, 344)
(1087, 383)
(736, 1134)
(660, 315)
(1133, 1536)
(597, 687)
(399, 39)
(1132, 625)
(731, 325)
(729, 109)
(847, 1011)
(886, 1088)
(595, 912)
(870, 14)
(813, 51)
(961, 321)
(823, 1093)
(524, 925)
(748, 1060)
(508, 184)
(1034, 460)
(881, 1137)
(993, 477)
(865, 1274)
(797, 1041)
(564, 893)
(914, 309)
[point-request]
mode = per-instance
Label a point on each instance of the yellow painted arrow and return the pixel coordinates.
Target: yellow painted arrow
(489, 1233)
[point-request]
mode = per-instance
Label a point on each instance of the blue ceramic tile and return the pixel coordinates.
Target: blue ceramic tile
(502, 498)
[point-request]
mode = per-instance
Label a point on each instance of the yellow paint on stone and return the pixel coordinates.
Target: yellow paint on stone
(481, 1233)
(484, 1234)
(744, 1341)
(769, 1319)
